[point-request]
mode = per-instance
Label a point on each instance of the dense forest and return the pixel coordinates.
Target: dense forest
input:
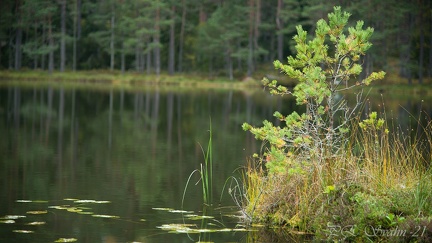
(231, 38)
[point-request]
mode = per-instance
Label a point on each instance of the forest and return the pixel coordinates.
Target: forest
(231, 38)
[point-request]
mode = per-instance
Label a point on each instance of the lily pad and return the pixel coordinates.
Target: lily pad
(179, 211)
(163, 209)
(71, 199)
(36, 223)
(37, 212)
(176, 227)
(85, 212)
(23, 231)
(23, 201)
(199, 217)
(7, 221)
(66, 240)
(91, 201)
(31, 201)
(13, 216)
(74, 210)
(64, 207)
(105, 216)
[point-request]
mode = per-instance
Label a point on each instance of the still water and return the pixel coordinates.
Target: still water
(129, 151)
(111, 165)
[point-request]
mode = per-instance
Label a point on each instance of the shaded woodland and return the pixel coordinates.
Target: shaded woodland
(231, 38)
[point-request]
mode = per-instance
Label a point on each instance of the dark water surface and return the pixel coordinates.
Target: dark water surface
(128, 155)
(132, 149)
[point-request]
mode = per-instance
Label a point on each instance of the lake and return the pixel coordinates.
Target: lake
(111, 165)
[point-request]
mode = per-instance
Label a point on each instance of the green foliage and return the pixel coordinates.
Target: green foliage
(373, 123)
(323, 67)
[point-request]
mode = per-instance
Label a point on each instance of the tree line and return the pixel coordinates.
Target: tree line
(231, 38)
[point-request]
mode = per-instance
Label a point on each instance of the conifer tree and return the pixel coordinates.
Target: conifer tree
(323, 67)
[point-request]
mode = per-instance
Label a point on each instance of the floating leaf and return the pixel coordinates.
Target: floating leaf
(179, 211)
(163, 209)
(102, 202)
(105, 216)
(37, 212)
(40, 201)
(13, 216)
(31, 201)
(23, 231)
(84, 201)
(74, 210)
(199, 217)
(64, 207)
(66, 240)
(176, 227)
(36, 223)
(8, 221)
(85, 212)
(83, 208)
(71, 199)
(143, 220)
(90, 201)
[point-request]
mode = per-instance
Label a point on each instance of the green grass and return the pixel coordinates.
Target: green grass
(205, 174)
(129, 79)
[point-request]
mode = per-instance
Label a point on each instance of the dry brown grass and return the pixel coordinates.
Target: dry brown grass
(377, 168)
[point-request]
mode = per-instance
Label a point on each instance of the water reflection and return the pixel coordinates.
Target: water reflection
(134, 149)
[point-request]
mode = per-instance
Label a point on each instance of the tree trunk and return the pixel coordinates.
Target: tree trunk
(123, 65)
(79, 19)
(78, 29)
(43, 41)
(36, 56)
(430, 46)
(18, 38)
(156, 40)
(148, 62)
(74, 45)
(251, 33)
(171, 58)
(51, 46)
(181, 41)
(63, 36)
(229, 63)
(279, 26)
(18, 50)
(405, 48)
(256, 29)
(112, 50)
(421, 54)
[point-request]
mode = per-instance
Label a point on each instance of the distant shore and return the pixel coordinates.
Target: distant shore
(131, 80)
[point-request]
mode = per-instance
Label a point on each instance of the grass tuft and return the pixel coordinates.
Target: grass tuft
(380, 180)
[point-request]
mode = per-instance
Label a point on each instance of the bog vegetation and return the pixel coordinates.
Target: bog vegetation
(327, 171)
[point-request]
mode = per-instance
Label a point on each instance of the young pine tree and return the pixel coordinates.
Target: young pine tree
(324, 66)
